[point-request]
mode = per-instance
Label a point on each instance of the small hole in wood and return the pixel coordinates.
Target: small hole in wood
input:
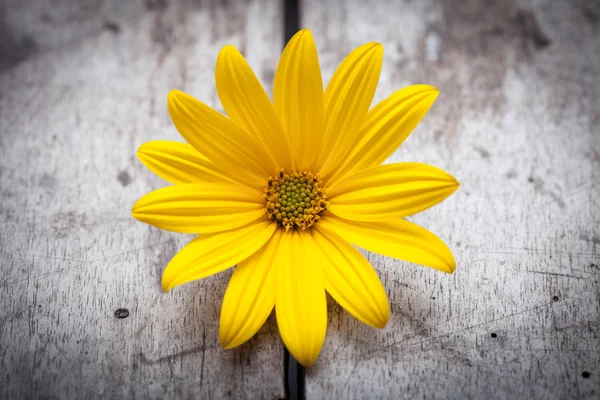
(494, 335)
(122, 313)
(585, 374)
(555, 298)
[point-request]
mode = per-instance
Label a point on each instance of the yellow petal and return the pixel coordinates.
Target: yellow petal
(250, 295)
(390, 191)
(298, 98)
(211, 253)
(351, 280)
(347, 100)
(219, 140)
(398, 239)
(200, 207)
(248, 105)
(300, 302)
(179, 163)
(387, 125)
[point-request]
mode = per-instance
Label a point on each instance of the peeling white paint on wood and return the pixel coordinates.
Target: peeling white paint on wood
(83, 84)
(517, 124)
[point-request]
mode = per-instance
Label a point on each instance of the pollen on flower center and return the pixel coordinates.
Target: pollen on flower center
(295, 199)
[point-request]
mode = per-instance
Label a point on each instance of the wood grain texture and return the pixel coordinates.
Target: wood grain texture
(517, 122)
(82, 85)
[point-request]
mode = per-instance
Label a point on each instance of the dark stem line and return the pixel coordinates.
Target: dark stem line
(292, 371)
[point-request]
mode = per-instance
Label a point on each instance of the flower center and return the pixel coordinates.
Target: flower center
(295, 199)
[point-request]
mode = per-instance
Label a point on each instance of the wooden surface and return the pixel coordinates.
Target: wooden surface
(517, 122)
(82, 86)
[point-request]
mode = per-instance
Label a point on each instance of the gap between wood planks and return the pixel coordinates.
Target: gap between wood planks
(293, 373)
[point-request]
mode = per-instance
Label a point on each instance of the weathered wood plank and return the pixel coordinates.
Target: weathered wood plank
(517, 123)
(82, 85)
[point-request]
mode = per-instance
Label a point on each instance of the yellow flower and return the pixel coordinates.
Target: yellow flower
(284, 189)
